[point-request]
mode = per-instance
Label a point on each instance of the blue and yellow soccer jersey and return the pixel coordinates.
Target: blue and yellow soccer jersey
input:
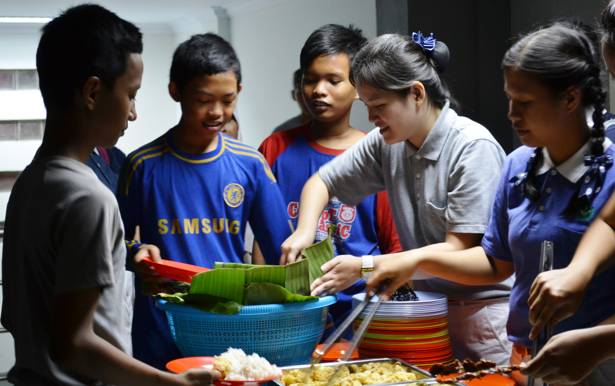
(195, 209)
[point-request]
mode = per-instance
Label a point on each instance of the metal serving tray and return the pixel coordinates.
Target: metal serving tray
(423, 377)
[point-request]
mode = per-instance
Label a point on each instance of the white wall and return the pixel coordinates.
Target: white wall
(268, 37)
(156, 111)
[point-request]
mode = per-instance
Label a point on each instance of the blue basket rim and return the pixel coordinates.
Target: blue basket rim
(260, 309)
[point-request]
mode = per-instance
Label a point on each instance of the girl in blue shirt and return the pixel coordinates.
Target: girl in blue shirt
(551, 188)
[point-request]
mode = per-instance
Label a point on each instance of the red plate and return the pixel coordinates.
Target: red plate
(174, 269)
(183, 364)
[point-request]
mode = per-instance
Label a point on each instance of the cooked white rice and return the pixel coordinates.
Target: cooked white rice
(248, 367)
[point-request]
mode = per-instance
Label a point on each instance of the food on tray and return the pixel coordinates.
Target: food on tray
(404, 293)
(467, 369)
(457, 366)
(357, 374)
(236, 365)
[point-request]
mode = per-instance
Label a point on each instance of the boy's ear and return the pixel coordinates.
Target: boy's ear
(173, 91)
(239, 88)
(89, 91)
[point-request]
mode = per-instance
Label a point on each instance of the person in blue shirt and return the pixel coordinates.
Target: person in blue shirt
(569, 357)
(193, 190)
(106, 164)
(551, 188)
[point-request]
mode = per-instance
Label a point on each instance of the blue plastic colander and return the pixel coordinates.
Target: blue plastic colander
(285, 334)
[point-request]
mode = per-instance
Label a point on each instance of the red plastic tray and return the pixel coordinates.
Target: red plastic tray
(175, 270)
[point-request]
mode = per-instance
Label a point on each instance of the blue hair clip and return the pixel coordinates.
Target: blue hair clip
(427, 43)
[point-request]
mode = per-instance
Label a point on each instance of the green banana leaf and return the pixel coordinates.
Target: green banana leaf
(226, 283)
(268, 293)
(297, 277)
(317, 254)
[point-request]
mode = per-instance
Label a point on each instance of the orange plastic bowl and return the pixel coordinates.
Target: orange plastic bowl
(183, 364)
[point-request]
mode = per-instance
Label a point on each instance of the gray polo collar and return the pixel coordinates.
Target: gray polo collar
(434, 143)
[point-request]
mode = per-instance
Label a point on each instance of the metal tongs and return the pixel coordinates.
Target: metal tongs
(546, 264)
(356, 339)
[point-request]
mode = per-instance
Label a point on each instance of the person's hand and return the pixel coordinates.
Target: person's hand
(554, 296)
(152, 281)
(390, 273)
(294, 244)
(199, 377)
(338, 274)
(566, 359)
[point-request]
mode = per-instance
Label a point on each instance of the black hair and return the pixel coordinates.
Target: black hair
(297, 79)
(607, 24)
(86, 40)
(203, 54)
(393, 62)
(560, 56)
(331, 39)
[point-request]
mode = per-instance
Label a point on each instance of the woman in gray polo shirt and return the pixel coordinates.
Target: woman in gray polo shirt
(440, 171)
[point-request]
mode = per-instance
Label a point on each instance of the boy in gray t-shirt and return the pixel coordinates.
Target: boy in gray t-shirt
(64, 252)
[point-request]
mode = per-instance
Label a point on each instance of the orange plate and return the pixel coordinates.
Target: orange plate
(337, 351)
(487, 380)
(183, 364)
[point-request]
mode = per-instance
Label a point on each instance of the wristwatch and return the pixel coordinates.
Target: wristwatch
(367, 266)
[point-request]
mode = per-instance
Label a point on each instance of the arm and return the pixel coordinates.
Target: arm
(350, 176)
(314, 198)
(557, 294)
(470, 267)
(257, 254)
(569, 357)
(344, 270)
(75, 346)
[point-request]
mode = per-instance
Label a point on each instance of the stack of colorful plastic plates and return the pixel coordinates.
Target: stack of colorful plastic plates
(415, 331)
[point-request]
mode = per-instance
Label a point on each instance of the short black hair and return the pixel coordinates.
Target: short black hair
(203, 54)
(331, 39)
(86, 40)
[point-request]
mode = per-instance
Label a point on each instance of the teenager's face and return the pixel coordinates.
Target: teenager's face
(535, 112)
(327, 90)
(208, 102)
(394, 114)
(117, 104)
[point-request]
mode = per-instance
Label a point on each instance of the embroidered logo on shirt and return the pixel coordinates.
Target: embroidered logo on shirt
(233, 195)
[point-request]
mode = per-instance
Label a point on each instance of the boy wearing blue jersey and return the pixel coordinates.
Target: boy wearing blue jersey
(192, 191)
(296, 154)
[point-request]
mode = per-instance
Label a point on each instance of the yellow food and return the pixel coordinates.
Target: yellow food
(359, 374)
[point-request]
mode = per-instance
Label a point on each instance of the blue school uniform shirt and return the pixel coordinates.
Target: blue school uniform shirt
(195, 209)
(518, 226)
